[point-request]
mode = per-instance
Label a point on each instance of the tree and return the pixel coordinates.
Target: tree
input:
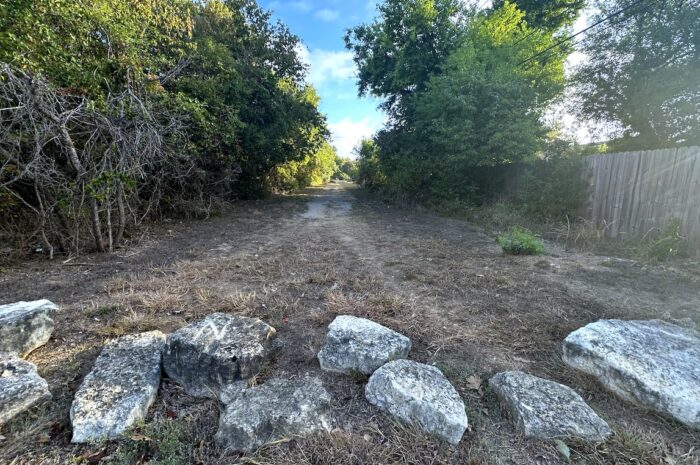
(483, 109)
(549, 15)
(404, 46)
(642, 74)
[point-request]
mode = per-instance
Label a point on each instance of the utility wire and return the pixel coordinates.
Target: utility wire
(566, 39)
(643, 9)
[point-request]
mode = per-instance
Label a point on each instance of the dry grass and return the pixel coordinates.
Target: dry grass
(467, 309)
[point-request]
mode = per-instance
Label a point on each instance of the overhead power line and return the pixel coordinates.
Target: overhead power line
(568, 38)
(609, 25)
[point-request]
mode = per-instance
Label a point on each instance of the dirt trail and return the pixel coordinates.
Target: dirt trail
(297, 261)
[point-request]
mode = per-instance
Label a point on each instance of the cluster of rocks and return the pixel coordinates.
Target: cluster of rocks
(652, 363)
(24, 326)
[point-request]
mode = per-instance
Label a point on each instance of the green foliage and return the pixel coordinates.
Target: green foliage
(643, 75)
(520, 241)
(554, 190)
(549, 15)
(313, 170)
(166, 442)
(369, 173)
(478, 106)
(94, 46)
(404, 46)
(669, 244)
(348, 169)
(217, 86)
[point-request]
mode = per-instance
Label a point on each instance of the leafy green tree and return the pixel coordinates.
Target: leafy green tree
(408, 42)
(483, 110)
(549, 15)
(98, 45)
(369, 172)
(642, 74)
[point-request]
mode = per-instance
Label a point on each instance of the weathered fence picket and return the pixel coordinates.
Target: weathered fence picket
(638, 193)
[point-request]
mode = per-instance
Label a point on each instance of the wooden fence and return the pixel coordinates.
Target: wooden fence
(637, 193)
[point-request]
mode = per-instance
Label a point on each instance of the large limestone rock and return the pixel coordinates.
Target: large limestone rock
(20, 386)
(120, 388)
(217, 351)
(24, 326)
(357, 345)
(420, 394)
(544, 409)
(653, 363)
(278, 409)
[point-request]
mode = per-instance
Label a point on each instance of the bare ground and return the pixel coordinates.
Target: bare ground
(296, 262)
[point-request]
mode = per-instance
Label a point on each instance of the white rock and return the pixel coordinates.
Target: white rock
(653, 363)
(419, 394)
(544, 409)
(217, 351)
(357, 345)
(120, 388)
(278, 409)
(24, 326)
(20, 386)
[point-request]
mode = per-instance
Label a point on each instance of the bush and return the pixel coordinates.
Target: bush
(554, 189)
(520, 241)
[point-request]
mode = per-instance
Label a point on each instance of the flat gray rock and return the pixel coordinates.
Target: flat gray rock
(544, 409)
(276, 410)
(357, 345)
(24, 326)
(217, 351)
(419, 394)
(20, 386)
(652, 363)
(120, 388)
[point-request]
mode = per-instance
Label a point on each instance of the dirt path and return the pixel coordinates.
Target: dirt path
(298, 261)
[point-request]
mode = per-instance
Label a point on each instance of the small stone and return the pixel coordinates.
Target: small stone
(276, 410)
(20, 386)
(419, 394)
(120, 388)
(24, 326)
(544, 409)
(357, 345)
(217, 351)
(652, 363)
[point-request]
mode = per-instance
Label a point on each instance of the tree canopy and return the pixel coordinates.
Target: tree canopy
(148, 107)
(478, 104)
(642, 74)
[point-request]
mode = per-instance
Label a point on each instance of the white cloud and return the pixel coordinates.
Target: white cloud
(327, 15)
(347, 133)
(301, 5)
(326, 65)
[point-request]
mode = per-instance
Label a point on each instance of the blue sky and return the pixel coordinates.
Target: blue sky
(321, 24)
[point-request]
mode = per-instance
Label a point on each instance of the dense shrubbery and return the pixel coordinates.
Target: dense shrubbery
(114, 112)
(462, 97)
(465, 91)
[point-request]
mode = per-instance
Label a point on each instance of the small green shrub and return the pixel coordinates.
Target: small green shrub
(520, 241)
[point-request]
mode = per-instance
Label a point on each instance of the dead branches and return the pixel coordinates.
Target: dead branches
(74, 164)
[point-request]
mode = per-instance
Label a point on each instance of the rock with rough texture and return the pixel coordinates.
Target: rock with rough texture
(20, 386)
(120, 388)
(544, 409)
(217, 351)
(419, 394)
(652, 363)
(278, 409)
(24, 326)
(357, 345)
